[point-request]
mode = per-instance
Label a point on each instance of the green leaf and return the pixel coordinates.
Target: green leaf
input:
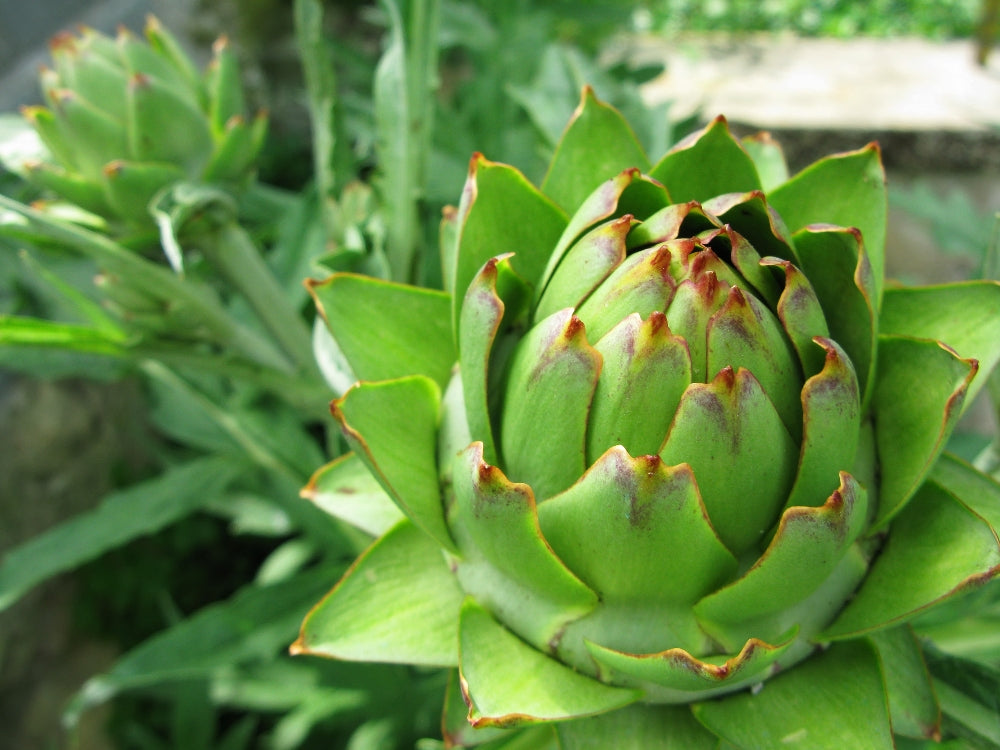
(965, 316)
(586, 264)
(806, 551)
(742, 456)
(838, 269)
(746, 334)
(121, 517)
(847, 190)
(968, 692)
(130, 186)
(254, 624)
(345, 489)
(832, 701)
(224, 87)
(802, 317)
(769, 159)
(506, 562)
(597, 144)
(831, 427)
(163, 126)
(459, 733)
(637, 728)
(912, 704)
(398, 603)
(501, 212)
(388, 330)
(669, 223)
(50, 349)
(751, 216)
(549, 388)
(151, 280)
(676, 676)
(641, 284)
(645, 372)
(494, 302)
(708, 163)
(936, 548)
(92, 136)
(635, 531)
(911, 432)
(507, 682)
(974, 488)
(392, 426)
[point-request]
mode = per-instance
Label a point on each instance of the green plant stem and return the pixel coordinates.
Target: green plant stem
(405, 81)
(237, 258)
(321, 85)
(148, 278)
(310, 398)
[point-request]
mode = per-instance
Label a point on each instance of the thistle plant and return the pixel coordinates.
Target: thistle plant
(664, 463)
(160, 158)
(126, 117)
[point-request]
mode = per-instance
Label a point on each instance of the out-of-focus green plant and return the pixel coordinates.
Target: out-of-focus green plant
(936, 19)
(662, 467)
(127, 117)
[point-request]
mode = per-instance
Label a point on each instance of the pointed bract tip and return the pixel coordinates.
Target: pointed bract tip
(64, 41)
(726, 377)
(574, 328)
(657, 321)
(113, 168)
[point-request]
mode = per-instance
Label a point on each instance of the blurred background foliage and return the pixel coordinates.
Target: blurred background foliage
(193, 557)
(935, 19)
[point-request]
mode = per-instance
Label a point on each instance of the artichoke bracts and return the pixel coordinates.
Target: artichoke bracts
(127, 117)
(664, 463)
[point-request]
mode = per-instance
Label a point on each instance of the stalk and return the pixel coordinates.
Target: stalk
(236, 257)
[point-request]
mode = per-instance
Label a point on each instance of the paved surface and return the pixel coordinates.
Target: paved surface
(867, 84)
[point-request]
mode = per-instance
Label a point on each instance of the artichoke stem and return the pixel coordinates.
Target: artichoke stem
(234, 254)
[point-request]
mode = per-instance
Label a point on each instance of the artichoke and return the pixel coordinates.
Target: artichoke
(664, 462)
(126, 118)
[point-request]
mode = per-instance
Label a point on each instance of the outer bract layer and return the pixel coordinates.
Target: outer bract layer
(681, 461)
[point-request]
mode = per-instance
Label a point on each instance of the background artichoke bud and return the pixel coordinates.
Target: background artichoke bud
(126, 117)
(688, 450)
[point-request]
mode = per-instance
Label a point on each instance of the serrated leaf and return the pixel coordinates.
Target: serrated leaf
(392, 426)
(398, 603)
(508, 683)
(832, 701)
(708, 163)
(597, 144)
(936, 549)
(255, 623)
(121, 517)
(638, 728)
(388, 330)
(911, 432)
(965, 316)
(847, 190)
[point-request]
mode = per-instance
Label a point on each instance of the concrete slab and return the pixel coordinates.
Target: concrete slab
(784, 82)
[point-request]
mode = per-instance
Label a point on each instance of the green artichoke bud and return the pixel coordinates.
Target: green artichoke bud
(126, 118)
(663, 464)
